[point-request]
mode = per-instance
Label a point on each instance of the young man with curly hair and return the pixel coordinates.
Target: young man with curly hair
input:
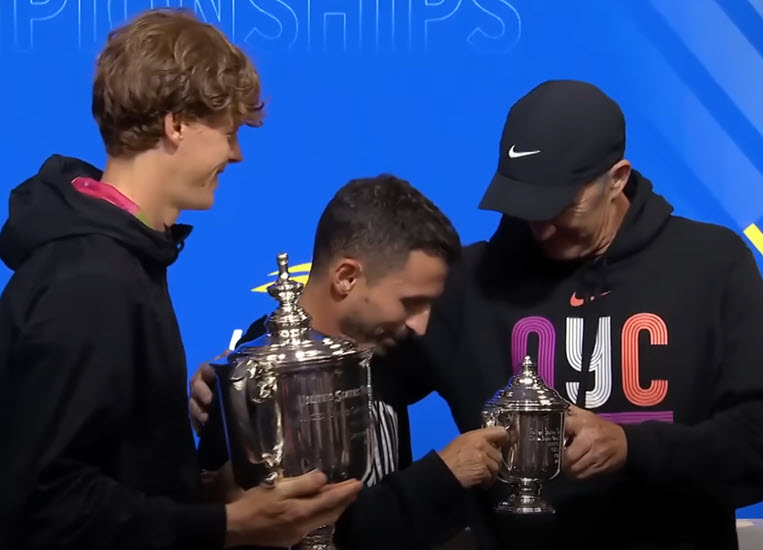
(99, 452)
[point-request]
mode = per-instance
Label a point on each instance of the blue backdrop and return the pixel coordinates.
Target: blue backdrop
(419, 88)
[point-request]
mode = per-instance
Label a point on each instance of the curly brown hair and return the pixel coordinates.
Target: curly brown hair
(166, 61)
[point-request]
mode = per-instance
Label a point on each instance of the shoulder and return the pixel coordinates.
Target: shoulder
(463, 269)
(257, 329)
(77, 310)
(471, 255)
(84, 283)
(86, 293)
(96, 259)
(713, 243)
(695, 229)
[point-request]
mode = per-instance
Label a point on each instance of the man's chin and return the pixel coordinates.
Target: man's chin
(385, 345)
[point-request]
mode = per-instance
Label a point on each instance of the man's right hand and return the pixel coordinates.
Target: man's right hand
(282, 515)
(475, 457)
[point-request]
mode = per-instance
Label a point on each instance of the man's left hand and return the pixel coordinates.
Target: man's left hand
(598, 446)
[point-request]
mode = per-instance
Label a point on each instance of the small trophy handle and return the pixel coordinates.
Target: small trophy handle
(566, 440)
(266, 420)
(502, 479)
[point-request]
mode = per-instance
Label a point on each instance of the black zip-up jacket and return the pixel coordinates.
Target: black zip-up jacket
(98, 452)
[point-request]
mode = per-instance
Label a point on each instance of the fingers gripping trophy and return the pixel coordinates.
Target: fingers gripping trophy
(294, 401)
(533, 414)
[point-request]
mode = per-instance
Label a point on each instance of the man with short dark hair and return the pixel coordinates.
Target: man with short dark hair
(647, 322)
(382, 252)
(394, 248)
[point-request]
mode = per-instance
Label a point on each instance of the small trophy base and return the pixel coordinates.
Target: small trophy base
(320, 539)
(524, 506)
(525, 500)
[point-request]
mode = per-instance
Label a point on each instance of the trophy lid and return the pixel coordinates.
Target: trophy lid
(527, 392)
(290, 341)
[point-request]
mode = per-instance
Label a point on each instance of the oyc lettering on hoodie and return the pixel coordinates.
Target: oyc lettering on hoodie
(602, 366)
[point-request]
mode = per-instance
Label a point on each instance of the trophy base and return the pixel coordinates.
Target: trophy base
(525, 500)
(320, 539)
(524, 506)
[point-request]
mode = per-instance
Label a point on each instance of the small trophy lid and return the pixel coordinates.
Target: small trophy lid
(527, 392)
(290, 341)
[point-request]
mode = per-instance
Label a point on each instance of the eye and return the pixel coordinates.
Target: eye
(416, 303)
(232, 136)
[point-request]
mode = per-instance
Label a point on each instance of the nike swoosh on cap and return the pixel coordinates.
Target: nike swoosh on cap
(517, 154)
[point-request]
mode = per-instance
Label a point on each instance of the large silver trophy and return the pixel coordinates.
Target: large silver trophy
(296, 400)
(533, 414)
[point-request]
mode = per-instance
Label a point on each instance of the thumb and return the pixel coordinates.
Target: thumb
(302, 486)
(495, 435)
(572, 425)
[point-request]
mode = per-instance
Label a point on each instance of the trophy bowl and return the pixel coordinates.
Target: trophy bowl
(533, 415)
(294, 401)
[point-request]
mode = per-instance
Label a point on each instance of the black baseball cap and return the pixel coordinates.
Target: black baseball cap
(560, 136)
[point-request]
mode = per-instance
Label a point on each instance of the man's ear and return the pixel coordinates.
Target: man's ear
(173, 130)
(620, 173)
(345, 274)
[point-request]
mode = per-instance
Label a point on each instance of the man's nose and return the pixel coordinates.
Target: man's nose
(418, 322)
(235, 154)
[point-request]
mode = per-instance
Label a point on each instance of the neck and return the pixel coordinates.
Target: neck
(612, 224)
(316, 304)
(139, 179)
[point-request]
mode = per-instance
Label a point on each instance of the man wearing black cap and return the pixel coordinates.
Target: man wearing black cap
(647, 322)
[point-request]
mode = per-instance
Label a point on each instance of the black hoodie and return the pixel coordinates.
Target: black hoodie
(663, 333)
(98, 452)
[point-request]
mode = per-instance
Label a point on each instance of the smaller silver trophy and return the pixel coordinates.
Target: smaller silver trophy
(533, 414)
(295, 400)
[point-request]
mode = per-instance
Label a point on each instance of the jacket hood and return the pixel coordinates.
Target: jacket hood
(646, 217)
(47, 208)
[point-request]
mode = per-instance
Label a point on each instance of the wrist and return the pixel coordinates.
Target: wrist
(234, 526)
(444, 457)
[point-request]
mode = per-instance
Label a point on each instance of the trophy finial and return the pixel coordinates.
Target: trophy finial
(286, 290)
(289, 320)
(283, 265)
(528, 367)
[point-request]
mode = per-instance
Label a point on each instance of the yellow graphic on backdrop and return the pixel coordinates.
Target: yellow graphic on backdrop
(755, 235)
(300, 268)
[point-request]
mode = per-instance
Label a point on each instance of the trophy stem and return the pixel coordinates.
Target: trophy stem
(525, 499)
(320, 539)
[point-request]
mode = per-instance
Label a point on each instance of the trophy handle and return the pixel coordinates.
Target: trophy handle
(265, 416)
(502, 479)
